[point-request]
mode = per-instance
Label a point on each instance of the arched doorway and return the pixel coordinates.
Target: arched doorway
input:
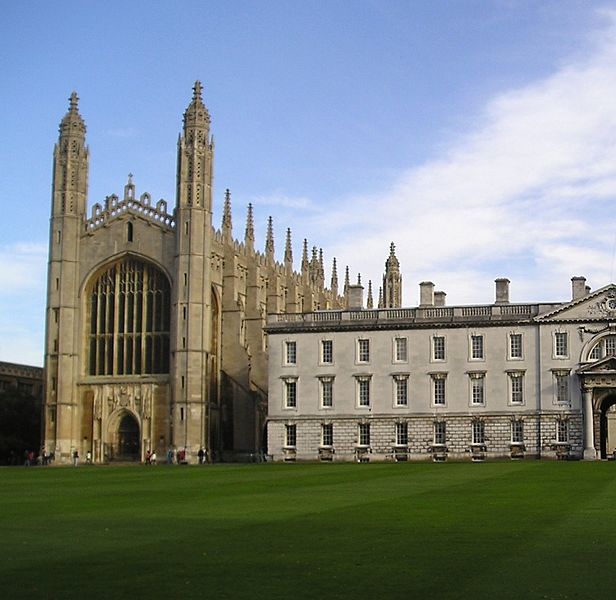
(128, 439)
(607, 426)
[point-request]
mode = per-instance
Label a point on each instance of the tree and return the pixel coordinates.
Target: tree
(20, 425)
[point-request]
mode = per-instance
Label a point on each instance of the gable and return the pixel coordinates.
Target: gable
(605, 365)
(598, 306)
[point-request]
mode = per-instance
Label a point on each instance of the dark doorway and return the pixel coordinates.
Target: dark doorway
(607, 427)
(128, 439)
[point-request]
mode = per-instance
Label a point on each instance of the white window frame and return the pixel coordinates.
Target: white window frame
(322, 360)
(562, 431)
(510, 355)
(517, 431)
(440, 377)
(363, 383)
(399, 343)
(471, 347)
(433, 348)
(440, 433)
(290, 435)
(557, 353)
(400, 382)
(325, 381)
(290, 353)
(518, 376)
(324, 442)
(478, 432)
(289, 383)
(363, 351)
(562, 375)
(402, 433)
(363, 431)
(477, 380)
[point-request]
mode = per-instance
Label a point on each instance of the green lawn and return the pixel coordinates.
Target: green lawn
(494, 530)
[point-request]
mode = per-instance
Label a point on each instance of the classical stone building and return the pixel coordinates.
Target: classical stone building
(434, 382)
(154, 333)
(24, 378)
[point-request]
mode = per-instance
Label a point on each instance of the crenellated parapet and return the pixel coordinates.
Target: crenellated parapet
(141, 206)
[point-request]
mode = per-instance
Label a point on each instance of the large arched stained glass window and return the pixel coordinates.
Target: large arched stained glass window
(129, 308)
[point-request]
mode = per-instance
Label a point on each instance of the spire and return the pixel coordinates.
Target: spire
(358, 278)
(195, 158)
(369, 302)
(227, 224)
(249, 236)
(392, 280)
(305, 264)
(334, 283)
(269, 241)
(129, 188)
(288, 251)
(321, 266)
(71, 161)
(381, 298)
(72, 125)
(392, 262)
(196, 115)
(346, 279)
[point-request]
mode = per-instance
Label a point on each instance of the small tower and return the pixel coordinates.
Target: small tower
(288, 253)
(192, 293)
(369, 301)
(334, 282)
(249, 235)
(69, 196)
(227, 223)
(269, 240)
(392, 281)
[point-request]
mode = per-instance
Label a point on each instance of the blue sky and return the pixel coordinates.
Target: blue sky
(479, 136)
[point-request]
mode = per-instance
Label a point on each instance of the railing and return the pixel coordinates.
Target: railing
(410, 315)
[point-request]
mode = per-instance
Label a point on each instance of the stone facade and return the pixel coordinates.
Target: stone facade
(435, 382)
(25, 378)
(154, 328)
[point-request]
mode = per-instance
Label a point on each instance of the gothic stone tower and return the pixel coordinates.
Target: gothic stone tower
(155, 319)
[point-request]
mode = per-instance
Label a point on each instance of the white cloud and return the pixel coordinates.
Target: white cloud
(22, 268)
(527, 194)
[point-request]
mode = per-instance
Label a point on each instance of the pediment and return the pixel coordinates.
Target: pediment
(597, 306)
(605, 365)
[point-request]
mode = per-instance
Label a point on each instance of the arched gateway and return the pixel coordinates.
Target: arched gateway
(598, 381)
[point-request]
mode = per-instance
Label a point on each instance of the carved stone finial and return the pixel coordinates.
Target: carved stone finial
(227, 223)
(288, 249)
(73, 102)
(197, 90)
(334, 283)
(370, 301)
(305, 263)
(269, 241)
(250, 228)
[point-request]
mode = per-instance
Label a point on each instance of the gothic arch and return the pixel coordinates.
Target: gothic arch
(124, 432)
(104, 264)
(127, 319)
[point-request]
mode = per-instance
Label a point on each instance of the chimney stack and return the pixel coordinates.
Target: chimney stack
(502, 290)
(439, 298)
(426, 293)
(578, 287)
(355, 297)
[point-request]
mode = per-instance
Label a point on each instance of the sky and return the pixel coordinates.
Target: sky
(477, 135)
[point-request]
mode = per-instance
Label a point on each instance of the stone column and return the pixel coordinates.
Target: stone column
(589, 436)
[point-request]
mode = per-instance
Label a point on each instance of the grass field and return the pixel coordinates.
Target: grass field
(493, 530)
